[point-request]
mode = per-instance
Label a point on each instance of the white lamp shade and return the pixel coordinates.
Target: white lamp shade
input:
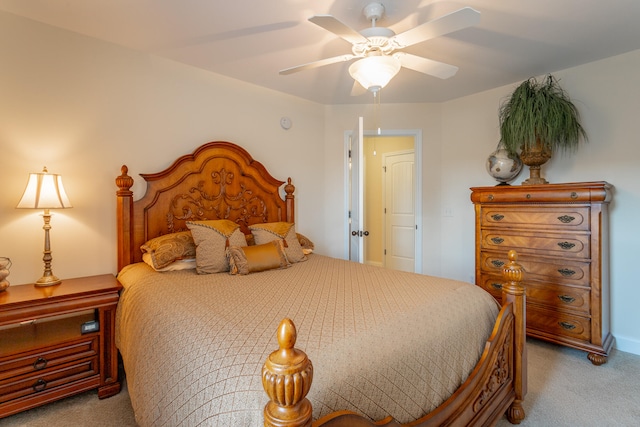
(44, 191)
(374, 72)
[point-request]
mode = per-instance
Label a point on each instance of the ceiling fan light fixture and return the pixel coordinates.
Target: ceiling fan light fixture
(374, 72)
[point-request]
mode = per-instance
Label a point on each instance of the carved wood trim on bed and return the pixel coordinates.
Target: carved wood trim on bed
(219, 180)
(496, 386)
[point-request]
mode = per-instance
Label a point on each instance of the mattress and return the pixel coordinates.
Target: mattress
(382, 342)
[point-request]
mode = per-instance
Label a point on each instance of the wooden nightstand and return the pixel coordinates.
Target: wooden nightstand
(44, 354)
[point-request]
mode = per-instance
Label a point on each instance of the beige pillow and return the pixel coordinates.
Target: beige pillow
(165, 249)
(251, 259)
(212, 238)
(267, 232)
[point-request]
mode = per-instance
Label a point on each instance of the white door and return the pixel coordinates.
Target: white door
(356, 193)
(400, 214)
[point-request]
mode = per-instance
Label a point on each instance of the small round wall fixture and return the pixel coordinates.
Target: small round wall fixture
(285, 123)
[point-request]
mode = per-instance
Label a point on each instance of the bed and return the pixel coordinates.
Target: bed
(294, 336)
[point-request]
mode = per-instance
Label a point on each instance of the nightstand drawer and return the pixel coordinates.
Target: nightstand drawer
(561, 298)
(562, 325)
(558, 271)
(39, 360)
(560, 245)
(536, 217)
(48, 379)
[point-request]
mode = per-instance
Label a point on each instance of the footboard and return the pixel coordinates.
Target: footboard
(496, 386)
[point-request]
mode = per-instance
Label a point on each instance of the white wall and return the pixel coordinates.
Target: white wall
(83, 108)
(608, 99)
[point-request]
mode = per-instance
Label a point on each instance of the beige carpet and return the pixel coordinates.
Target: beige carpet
(565, 389)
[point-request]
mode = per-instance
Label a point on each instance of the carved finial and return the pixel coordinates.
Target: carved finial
(287, 334)
(286, 377)
(512, 271)
(289, 188)
(124, 181)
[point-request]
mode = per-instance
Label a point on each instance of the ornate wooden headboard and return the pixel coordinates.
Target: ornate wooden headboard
(219, 180)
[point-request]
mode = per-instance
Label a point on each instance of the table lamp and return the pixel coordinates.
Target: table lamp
(45, 191)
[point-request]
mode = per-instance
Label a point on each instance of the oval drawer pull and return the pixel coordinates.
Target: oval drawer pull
(566, 299)
(497, 263)
(497, 217)
(40, 363)
(566, 325)
(39, 385)
(566, 272)
(566, 245)
(497, 286)
(497, 240)
(566, 219)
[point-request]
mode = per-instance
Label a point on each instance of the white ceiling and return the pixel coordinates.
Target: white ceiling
(251, 40)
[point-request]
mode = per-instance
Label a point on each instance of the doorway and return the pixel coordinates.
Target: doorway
(389, 168)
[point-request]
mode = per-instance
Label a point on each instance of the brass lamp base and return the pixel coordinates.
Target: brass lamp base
(47, 280)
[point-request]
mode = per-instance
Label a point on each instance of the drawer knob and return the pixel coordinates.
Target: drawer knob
(490, 197)
(40, 363)
(497, 240)
(574, 195)
(39, 385)
(497, 217)
(566, 219)
(566, 325)
(497, 286)
(566, 299)
(566, 272)
(566, 245)
(497, 263)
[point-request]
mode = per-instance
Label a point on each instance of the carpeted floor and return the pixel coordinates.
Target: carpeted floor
(565, 389)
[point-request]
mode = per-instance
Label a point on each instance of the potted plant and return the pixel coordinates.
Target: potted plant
(538, 120)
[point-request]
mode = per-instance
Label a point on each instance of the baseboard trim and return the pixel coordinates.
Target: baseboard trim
(627, 345)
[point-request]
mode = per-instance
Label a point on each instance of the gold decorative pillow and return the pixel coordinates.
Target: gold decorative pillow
(267, 232)
(165, 249)
(306, 244)
(212, 238)
(179, 264)
(251, 259)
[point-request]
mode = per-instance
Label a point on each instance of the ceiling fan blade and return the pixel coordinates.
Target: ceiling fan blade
(426, 66)
(329, 23)
(316, 64)
(462, 18)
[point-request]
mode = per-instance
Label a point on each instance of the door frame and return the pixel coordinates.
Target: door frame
(417, 146)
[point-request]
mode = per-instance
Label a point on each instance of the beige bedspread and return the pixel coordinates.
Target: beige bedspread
(382, 342)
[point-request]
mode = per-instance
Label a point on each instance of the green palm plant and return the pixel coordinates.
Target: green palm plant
(539, 119)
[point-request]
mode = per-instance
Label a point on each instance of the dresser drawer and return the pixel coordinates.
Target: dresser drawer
(48, 379)
(536, 217)
(558, 271)
(51, 357)
(556, 297)
(558, 324)
(550, 244)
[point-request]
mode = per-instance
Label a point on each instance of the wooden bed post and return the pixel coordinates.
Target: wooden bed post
(513, 292)
(289, 199)
(124, 213)
(286, 377)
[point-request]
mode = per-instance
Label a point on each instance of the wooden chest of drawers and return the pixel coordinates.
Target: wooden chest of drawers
(44, 353)
(561, 234)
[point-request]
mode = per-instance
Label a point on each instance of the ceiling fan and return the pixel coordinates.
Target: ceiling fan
(380, 48)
